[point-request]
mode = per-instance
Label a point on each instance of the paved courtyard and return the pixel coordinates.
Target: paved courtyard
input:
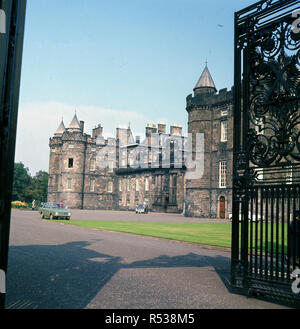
(132, 216)
(66, 267)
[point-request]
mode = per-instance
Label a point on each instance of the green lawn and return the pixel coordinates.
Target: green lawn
(214, 234)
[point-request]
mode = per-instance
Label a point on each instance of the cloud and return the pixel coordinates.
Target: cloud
(38, 121)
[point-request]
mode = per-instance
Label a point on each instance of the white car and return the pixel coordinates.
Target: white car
(141, 209)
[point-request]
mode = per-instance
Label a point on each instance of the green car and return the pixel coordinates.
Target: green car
(54, 211)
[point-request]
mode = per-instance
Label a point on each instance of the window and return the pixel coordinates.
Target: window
(93, 165)
(222, 174)
(224, 131)
(147, 184)
(69, 183)
(110, 187)
(173, 188)
(131, 161)
(128, 185)
(120, 185)
(110, 166)
(70, 163)
(124, 163)
(92, 185)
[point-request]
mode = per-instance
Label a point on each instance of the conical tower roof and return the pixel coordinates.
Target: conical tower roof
(61, 129)
(206, 80)
(74, 123)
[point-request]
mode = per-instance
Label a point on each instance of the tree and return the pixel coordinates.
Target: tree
(21, 182)
(38, 188)
(27, 188)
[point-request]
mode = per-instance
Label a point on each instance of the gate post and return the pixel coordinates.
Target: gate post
(12, 16)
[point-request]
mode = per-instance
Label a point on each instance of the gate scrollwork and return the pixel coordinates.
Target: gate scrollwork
(275, 93)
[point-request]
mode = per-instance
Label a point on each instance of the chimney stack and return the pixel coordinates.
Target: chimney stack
(82, 126)
(98, 131)
(162, 128)
(123, 136)
(150, 130)
(176, 130)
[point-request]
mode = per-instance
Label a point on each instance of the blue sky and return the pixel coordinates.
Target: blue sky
(117, 61)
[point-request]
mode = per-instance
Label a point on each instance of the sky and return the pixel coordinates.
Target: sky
(117, 62)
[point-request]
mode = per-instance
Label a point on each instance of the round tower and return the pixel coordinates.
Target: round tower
(67, 164)
(200, 121)
(73, 163)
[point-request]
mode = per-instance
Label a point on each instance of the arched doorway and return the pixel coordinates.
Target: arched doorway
(166, 203)
(222, 207)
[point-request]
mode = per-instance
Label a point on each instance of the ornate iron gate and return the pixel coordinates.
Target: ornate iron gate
(12, 17)
(266, 170)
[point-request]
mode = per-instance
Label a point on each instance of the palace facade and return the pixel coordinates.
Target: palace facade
(151, 170)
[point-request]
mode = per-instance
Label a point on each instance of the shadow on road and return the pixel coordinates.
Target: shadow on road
(69, 276)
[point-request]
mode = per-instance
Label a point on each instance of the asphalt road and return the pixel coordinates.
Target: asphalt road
(56, 266)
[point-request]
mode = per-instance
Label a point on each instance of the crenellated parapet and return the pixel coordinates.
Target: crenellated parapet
(205, 100)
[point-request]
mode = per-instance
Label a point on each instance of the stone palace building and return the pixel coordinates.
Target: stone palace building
(160, 179)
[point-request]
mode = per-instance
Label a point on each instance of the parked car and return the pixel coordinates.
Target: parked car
(141, 209)
(54, 211)
(254, 217)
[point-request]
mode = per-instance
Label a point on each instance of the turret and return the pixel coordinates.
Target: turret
(60, 130)
(75, 125)
(205, 84)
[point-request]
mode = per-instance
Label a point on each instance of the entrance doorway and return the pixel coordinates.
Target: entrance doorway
(222, 207)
